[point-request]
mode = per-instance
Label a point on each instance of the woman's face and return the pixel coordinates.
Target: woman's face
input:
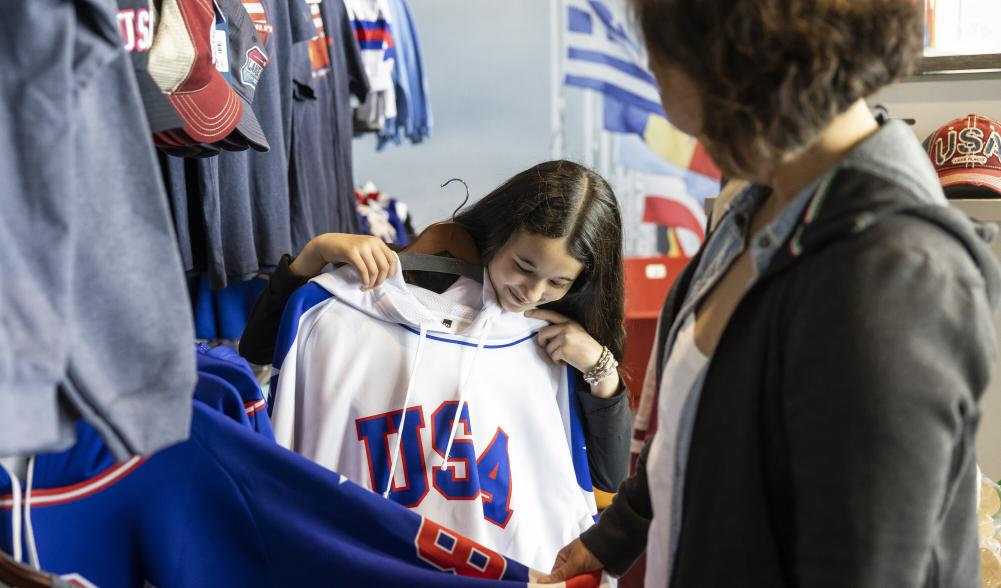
(680, 98)
(530, 270)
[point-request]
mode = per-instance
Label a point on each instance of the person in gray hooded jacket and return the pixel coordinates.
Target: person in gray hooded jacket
(821, 361)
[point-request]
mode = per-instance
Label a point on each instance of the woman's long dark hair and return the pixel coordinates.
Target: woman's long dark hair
(563, 199)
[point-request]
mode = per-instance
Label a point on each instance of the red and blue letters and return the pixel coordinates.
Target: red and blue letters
(464, 476)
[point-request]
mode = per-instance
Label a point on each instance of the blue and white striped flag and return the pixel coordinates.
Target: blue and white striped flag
(602, 55)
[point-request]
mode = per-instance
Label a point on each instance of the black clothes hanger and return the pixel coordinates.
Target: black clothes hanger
(422, 262)
(882, 115)
(445, 248)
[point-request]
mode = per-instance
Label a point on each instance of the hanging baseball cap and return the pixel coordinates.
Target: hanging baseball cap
(137, 27)
(175, 142)
(181, 63)
(966, 154)
(242, 65)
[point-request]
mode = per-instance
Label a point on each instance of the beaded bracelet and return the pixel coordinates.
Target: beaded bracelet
(603, 368)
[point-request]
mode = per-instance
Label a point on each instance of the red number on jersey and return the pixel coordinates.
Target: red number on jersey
(451, 552)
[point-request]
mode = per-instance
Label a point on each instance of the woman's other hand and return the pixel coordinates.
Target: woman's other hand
(370, 257)
(572, 560)
(566, 341)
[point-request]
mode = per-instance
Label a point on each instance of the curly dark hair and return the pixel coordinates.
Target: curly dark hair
(563, 199)
(774, 73)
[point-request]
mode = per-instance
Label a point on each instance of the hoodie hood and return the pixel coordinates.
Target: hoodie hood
(465, 309)
(891, 175)
(976, 236)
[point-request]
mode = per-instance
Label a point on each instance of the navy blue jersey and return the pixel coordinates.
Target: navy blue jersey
(230, 508)
(226, 383)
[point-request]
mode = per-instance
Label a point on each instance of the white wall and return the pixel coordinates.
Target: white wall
(487, 66)
(934, 103)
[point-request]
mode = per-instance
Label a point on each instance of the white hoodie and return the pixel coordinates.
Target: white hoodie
(350, 360)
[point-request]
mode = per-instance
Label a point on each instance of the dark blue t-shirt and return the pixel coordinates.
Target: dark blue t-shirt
(328, 70)
(232, 211)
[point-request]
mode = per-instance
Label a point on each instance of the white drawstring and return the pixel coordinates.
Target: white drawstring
(462, 390)
(406, 402)
(28, 530)
(15, 512)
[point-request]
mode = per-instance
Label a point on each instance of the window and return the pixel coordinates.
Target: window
(961, 35)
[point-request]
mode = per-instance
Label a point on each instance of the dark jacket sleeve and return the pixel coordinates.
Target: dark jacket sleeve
(619, 537)
(257, 343)
(889, 348)
(607, 430)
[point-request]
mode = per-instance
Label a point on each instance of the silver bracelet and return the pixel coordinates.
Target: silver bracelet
(603, 368)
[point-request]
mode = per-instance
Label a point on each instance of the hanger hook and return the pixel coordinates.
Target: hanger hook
(464, 201)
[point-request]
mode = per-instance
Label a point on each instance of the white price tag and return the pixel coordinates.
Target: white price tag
(656, 271)
(220, 50)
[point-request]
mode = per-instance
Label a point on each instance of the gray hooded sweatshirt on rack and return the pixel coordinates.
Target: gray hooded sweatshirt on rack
(95, 321)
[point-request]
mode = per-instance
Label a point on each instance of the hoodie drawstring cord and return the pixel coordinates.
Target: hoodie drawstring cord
(28, 530)
(15, 513)
(406, 403)
(462, 390)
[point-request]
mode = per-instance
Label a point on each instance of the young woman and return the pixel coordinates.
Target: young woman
(551, 239)
(821, 361)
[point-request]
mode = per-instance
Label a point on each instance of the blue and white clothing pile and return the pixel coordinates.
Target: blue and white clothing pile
(383, 216)
(398, 105)
(371, 21)
(229, 508)
(413, 101)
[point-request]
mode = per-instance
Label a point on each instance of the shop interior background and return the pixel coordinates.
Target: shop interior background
(490, 69)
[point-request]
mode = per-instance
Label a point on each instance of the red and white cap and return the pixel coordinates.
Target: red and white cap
(966, 154)
(181, 63)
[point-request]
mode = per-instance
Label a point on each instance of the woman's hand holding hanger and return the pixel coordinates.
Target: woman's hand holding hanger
(370, 257)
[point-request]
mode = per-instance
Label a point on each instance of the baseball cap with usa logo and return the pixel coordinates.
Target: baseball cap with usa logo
(966, 153)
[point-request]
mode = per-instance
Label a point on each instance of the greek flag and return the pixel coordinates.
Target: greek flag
(602, 55)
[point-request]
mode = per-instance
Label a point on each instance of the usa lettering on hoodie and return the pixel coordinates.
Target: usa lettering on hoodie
(443, 403)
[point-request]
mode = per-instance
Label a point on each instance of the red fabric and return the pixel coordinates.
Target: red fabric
(701, 163)
(209, 106)
(669, 212)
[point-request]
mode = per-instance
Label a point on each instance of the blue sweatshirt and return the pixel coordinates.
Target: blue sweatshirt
(230, 508)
